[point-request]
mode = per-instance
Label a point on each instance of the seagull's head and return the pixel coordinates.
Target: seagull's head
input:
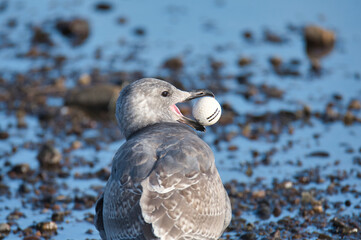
(148, 101)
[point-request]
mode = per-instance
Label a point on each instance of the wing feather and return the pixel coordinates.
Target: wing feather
(193, 199)
(163, 191)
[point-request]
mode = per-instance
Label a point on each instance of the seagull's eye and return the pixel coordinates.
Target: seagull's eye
(165, 94)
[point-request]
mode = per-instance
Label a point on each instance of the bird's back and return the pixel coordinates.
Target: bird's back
(163, 184)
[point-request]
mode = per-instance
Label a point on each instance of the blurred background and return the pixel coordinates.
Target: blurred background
(287, 74)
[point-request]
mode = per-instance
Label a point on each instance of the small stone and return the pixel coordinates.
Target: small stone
(4, 135)
(5, 228)
(103, 6)
(259, 194)
(249, 236)
(58, 216)
(249, 172)
(76, 145)
(322, 154)
(232, 148)
(76, 30)
(47, 226)
(277, 211)
(15, 215)
(275, 61)
(19, 170)
(84, 79)
(319, 43)
(288, 184)
(139, 31)
(48, 156)
(273, 37)
(41, 37)
(244, 61)
(318, 208)
(174, 64)
(354, 105)
(24, 188)
(307, 198)
(98, 97)
(264, 210)
(349, 118)
(324, 237)
(248, 35)
(31, 238)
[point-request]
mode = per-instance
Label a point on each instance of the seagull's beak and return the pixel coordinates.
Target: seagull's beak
(198, 94)
(190, 122)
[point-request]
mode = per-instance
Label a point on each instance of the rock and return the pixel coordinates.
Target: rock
(76, 30)
(5, 228)
(41, 37)
(273, 37)
(4, 135)
(174, 64)
(259, 194)
(76, 145)
(21, 170)
(31, 238)
(244, 61)
(277, 211)
(84, 80)
(324, 236)
(354, 105)
(59, 216)
(340, 227)
(103, 6)
(307, 198)
(348, 118)
(48, 156)
(24, 189)
(4, 189)
(275, 61)
(216, 66)
(232, 148)
(103, 174)
(97, 97)
(318, 208)
(319, 43)
(264, 210)
(139, 31)
(322, 154)
(15, 215)
(271, 92)
(47, 226)
(248, 35)
(249, 236)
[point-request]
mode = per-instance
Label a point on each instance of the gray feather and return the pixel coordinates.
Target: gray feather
(173, 190)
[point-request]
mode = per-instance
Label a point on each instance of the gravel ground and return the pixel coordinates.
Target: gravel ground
(288, 145)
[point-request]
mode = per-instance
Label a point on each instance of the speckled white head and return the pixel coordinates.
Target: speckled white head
(207, 111)
(149, 101)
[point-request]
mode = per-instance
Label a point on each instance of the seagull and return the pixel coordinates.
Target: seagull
(164, 183)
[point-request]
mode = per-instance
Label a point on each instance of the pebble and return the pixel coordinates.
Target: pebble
(47, 226)
(76, 30)
(244, 61)
(354, 105)
(4, 228)
(48, 156)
